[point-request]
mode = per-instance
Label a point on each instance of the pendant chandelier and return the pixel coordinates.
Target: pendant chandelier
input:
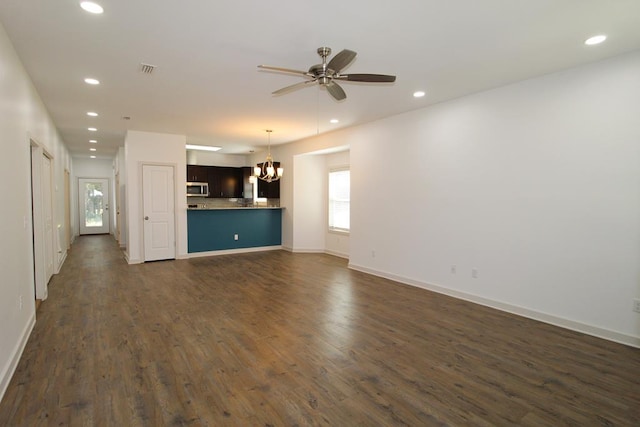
(267, 171)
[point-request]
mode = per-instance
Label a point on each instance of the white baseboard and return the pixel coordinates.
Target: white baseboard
(230, 251)
(64, 257)
(595, 331)
(10, 368)
(315, 251)
(307, 251)
(338, 254)
(131, 261)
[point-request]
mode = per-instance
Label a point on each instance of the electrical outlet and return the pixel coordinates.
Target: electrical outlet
(453, 269)
(636, 305)
(373, 254)
(474, 273)
(235, 237)
(20, 302)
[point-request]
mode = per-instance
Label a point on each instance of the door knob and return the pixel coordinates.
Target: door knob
(146, 218)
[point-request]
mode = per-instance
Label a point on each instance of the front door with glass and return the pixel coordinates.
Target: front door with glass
(93, 195)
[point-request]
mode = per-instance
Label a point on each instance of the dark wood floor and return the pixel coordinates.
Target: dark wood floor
(274, 338)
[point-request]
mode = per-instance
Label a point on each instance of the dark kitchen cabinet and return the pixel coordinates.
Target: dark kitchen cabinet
(270, 190)
(197, 173)
(225, 182)
(232, 183)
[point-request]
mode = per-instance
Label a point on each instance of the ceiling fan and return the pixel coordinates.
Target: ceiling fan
(326, 74)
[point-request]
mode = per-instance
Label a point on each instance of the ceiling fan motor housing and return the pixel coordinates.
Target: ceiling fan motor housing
(322, 75)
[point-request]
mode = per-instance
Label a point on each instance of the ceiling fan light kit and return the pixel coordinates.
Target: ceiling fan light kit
(326, 74)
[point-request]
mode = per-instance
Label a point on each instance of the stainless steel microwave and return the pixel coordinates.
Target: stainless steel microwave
(198, 189)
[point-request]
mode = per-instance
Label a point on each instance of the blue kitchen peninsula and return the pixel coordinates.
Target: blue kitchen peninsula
(215, 229)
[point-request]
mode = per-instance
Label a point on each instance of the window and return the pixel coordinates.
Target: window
(339, 199)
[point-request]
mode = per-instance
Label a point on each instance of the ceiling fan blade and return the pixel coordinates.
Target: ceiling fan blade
(284, 70)
(371, 78)
(292, 87)
(341, 60)
(336, 91)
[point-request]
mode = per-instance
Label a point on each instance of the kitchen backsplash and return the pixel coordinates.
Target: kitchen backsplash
(213, 203)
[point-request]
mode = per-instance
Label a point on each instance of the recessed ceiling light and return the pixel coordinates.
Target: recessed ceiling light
(202, 147)
(91, 7)
(595, 40)
(92, 114)
(92, 129)
(93, 141)
(418, 94)
(93, 149)
(93, 157)
(91, 81)
(334, 121)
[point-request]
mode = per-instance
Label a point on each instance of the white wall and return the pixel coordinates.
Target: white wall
(153, 148)
(308, 201)
(23, 117)
(94, 168)
(210, 158)
(536, 185)
(335, 243)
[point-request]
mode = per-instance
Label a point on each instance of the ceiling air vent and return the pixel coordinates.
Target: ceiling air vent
(147, 68)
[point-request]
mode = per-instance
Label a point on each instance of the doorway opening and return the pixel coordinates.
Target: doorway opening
(44, 237)
(93, 205)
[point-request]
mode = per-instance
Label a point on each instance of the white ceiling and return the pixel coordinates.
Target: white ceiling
(207, 85)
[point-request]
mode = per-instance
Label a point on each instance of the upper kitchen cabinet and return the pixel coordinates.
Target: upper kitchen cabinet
(225, 182)
(197, 173)
(270, 190)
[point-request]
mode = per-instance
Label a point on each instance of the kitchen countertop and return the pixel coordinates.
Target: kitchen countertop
(234, 208)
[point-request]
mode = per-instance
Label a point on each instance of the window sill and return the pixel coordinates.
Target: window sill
(339, 231)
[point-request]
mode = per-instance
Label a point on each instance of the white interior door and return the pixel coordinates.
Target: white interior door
(158, 212)
(42, 219)
(93, 194)
(47, 216)
(117, 207)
